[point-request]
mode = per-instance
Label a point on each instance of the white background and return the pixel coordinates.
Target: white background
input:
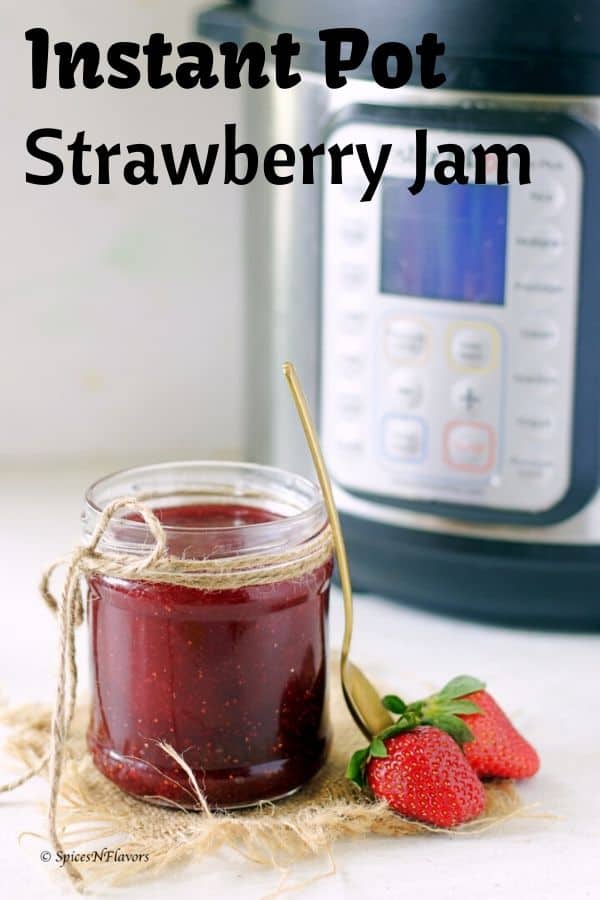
(120, 307)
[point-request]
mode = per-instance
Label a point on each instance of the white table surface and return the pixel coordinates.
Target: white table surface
(547, 682)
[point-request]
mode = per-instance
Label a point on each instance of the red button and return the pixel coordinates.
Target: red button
(469, 447)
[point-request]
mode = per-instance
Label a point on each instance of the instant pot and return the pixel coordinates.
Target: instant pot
(449, 341)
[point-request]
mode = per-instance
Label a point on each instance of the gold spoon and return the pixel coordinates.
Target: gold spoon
(361, 697)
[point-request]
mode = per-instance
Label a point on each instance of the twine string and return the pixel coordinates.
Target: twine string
(156, 566)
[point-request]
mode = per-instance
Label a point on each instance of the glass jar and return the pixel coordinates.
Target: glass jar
(234, 679)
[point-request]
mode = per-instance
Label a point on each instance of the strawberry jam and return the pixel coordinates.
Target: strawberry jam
(233, 679)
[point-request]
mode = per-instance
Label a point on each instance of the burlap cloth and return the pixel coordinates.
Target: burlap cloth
(92, 812)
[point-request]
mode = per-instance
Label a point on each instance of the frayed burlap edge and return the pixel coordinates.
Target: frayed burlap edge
(93, 813)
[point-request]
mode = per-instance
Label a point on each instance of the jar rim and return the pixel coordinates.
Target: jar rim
(297, 500)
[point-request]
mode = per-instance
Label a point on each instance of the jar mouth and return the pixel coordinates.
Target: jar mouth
(295, 501)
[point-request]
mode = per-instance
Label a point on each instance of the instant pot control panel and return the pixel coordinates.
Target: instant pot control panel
(449, 327)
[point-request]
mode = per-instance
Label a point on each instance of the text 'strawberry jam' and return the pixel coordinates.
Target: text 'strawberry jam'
(233, 679)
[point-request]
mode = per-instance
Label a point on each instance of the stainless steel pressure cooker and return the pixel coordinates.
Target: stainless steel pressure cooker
(450, 341)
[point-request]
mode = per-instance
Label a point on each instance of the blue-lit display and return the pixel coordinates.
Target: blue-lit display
(447, 243)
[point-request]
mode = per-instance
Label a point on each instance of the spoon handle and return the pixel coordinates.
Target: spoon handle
(361, 697)
(312, 440)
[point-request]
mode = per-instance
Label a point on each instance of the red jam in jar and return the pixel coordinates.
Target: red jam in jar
(233, 679)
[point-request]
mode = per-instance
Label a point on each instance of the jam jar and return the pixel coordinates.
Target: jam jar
(234, 679)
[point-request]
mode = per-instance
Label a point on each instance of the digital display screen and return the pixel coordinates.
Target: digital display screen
(446, 243)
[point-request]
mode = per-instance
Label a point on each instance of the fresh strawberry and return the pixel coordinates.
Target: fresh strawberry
(497, 749)
(421, 773)
(428, 763)
(466, 711)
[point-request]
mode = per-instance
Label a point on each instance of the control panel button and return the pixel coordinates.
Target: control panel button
(352, 322)
(349, 404)
(467, 396)
(473, 347)
(542, 242)
(353, 231)
(554, 164)
(535, 423)
(405, 390)
(404, 439)
(350, 364)
(353, 276)
(351, 357)
(531, 469)
(539, 290)
(350, 439)
(539, 334)
(469, 447)
(543, 381)
(406, 341)
(546, 195)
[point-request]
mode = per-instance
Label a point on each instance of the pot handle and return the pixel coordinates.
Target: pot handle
(225, 22)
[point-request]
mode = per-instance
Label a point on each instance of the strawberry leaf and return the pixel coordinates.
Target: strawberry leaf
(459, 687)
(378, 748)
(394, 704)
(453, 726)
(459, 707)
(356, 767)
